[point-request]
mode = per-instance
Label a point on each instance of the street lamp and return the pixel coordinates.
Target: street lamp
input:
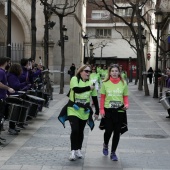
(144, 74)
(158, 19)
(61, 43)
(64, 31)
(85, 40)
(48, 25)
(51, 24)
(9, 29)
(65, 37)
(91, 52)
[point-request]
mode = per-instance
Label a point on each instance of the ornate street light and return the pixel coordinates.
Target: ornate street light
(9, 29)
(65, 33)
(85, 40)
(48, 25)
(65, 37)
(158, 20)
(51, 24)
(91, 46)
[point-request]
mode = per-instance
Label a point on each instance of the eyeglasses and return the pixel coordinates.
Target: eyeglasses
(87, 71)
(94, 69)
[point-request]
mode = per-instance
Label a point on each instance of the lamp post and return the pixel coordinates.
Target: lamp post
(144, 74)
(48, 25)
(61, 43)
(158, 17)
(9, 29)
(85, 40)
(91, 52)
(65, 33)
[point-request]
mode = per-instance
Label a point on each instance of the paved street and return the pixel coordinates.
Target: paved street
(45, 144)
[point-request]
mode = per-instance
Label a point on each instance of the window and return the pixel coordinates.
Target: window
(106, 33)
(124, 12)
(127, 32)
(100, 15)
(128, 12)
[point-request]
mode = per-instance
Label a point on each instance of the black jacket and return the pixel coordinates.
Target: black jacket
(63, 115)
(119, 116)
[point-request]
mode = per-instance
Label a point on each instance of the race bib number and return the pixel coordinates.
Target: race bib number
(115, 104)
(82, 101)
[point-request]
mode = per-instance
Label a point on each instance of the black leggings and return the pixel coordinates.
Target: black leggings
(112, 127)
(77, 132)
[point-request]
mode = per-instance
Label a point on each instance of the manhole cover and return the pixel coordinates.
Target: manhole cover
(155, 136)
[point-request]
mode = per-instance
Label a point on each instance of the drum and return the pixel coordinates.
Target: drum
(14, 100)
(23, 114)
(17, 113)
(37, 100)
(47, 98)
(40, 94)
(32, 108)
(32, 92)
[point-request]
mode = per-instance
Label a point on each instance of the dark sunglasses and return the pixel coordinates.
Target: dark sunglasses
(87, 71)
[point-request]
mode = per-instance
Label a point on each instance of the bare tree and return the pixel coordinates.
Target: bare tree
(134, 24)
(61, 8)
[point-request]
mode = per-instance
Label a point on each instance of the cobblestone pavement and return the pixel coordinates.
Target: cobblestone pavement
(45, 144)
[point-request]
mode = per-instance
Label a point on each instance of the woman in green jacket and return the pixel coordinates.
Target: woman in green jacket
(79, 110)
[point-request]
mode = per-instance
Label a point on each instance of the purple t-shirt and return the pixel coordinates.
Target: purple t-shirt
(3, 80)
(168, 82)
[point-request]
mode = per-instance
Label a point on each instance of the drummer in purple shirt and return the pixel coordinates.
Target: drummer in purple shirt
(25, 76)
(13, 80)
(3, 86)
(3, 80)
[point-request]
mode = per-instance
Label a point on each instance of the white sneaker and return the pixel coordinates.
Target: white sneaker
(79, 154)
(72, 156)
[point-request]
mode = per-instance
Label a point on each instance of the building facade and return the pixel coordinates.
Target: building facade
(21, 34)
(164, 53)
(104, 31)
